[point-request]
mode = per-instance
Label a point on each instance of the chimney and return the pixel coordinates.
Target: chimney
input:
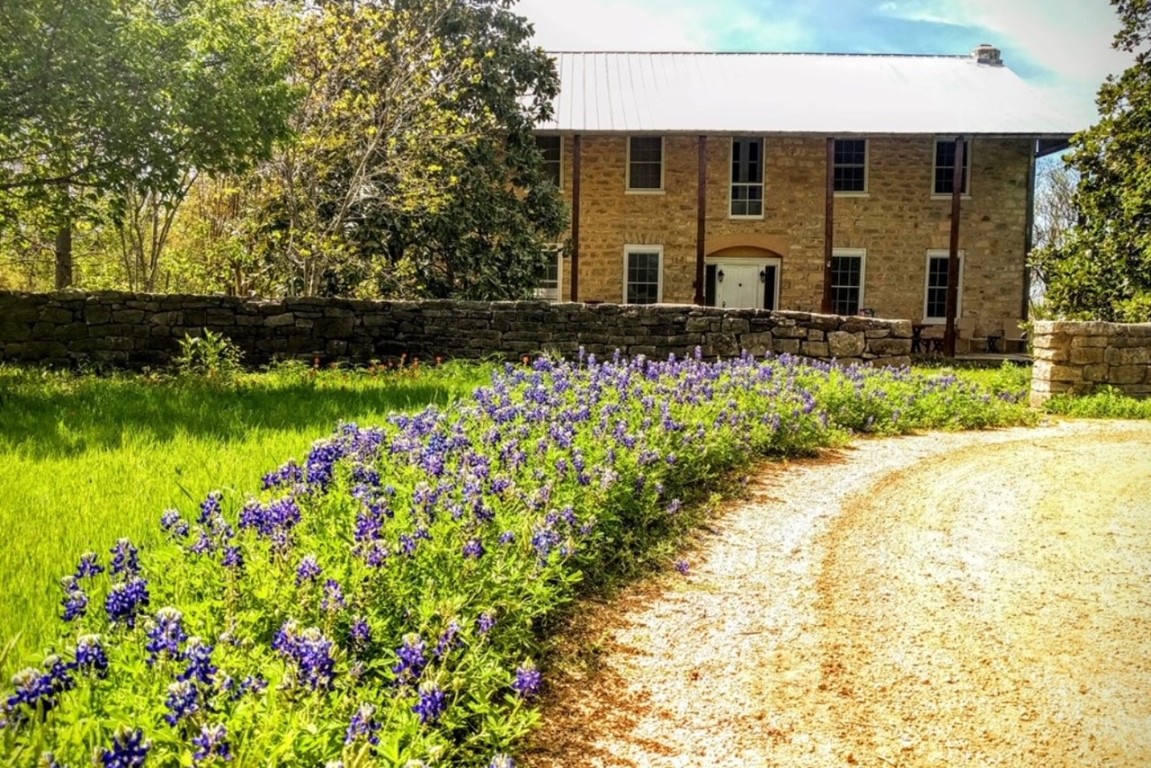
(987, 54)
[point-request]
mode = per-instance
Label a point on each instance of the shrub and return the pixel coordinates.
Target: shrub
(212, 355)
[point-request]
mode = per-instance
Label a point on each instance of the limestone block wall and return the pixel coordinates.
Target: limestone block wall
(896, 221)
(138, 330)
(1074, 357)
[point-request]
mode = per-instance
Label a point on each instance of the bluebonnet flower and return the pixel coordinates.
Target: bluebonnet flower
(333, 596)
(375, 554)
(129, 750)
(233, 558)
(183, 700)
(48, 760)
(211, 744)
(528, 679)
(473, 548)
(125, 558)
(289, 474)
(88, 566)
(363, 725)
(250, 684)
(210, 507)
(682, 566)
(59, 673)
(411, 659)
(165, 635)
(311, 651)
(173, 524)
(674, 507)
(485, 623)
(33, 689)
(408, 544)
(125, 600)
(431, 704)
(308, 570)
(502, 761)
(199, 657)
(203, 545)
(75, 600)
(361, 633)
(277, 517)
(91, 656)
(447, 639)
(507, 537)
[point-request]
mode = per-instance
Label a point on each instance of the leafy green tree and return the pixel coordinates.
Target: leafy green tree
(109, 108)
(1102, 267)
(415, 172)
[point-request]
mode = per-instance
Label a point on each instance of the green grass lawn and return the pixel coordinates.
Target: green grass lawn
(87, 460)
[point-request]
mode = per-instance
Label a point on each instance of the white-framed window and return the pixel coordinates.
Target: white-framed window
(935, 287)
(549, 284)
(850, 170)
(645, 164)
(848, 267)
(746, 178)
(552, 148)
(642, 274)
(944, 176)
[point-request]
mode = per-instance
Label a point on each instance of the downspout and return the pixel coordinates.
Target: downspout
(577, 158)
(701, 222)
(953, 252)
(1029, 233)
(828, 226)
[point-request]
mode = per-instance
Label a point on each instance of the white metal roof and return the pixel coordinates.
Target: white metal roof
(798, 93)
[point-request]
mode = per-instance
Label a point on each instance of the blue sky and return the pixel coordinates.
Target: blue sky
(1062, 46)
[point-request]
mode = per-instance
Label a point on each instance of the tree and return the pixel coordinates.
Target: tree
(111, 107)
(1102, 268)
(415, 172)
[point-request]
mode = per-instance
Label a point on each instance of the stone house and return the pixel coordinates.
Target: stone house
(800, 181)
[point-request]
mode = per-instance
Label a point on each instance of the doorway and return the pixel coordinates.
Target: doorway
(741, 283)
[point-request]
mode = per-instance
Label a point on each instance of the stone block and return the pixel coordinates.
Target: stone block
(890, 347)
(735, 325)
(280, 320)
(786, 346)
(819, 349)
(1096, 373)
(877, 333)
(1081, 356)
(756, 343)
(843, 344)
(1049, 371)
(1056, 355)
(814, 334)
(130, 316)
(1088, 341)
(1127, 374)
(1052, 341)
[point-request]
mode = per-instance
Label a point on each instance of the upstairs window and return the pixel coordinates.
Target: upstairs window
(551, 147)
(747, 178)
(850, 165)
(945, 166)
(645, 163)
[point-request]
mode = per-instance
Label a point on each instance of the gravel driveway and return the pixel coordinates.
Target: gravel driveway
(967, 599)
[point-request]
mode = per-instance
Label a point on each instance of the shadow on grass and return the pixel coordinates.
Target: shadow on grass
(44, 416)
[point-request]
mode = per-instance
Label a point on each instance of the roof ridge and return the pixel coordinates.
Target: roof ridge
(770, 53)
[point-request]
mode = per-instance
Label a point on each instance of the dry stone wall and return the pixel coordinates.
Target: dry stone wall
(139, 330)
(1077, 358)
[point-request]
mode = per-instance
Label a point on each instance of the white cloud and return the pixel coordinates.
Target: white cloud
(619, 25)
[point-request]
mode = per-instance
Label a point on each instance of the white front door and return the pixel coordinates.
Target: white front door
(738, 286)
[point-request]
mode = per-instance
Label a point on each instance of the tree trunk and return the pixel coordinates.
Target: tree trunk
(64, 256)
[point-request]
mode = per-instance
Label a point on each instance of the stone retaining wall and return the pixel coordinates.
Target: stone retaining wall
(139, 330)
(1079, 357)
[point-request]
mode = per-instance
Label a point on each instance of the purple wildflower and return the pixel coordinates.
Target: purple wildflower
(165, 635)
(333, 596)
(447, 639)
(411, 659)
(528, 679)
(75, 600)
(507, 537)
(125, 558)
(502, 761)
(90, 655)
(129, 750)
(473, 548)
(361, 633)
(126, 599)
(682, 566)
(210, 507)
(211, 744)
(233, 558)
(200, 667)
(363, 725)
(182, 701)
(34, 689)
(312, 653)
(674, 507)
(431, 704)
(88, 566)
(308, 570)
(485, 623)
(173, 524)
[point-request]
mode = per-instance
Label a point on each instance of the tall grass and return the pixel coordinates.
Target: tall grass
(85, 460)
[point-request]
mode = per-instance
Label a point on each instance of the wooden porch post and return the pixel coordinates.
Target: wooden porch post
(953, 254)
(701, 221)
(828, 227)
(577, 157)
